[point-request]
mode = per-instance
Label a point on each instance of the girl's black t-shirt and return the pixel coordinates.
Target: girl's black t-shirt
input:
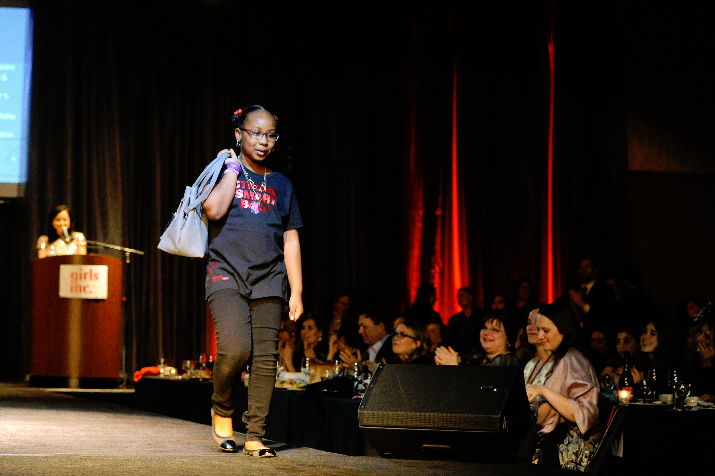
(246, 246)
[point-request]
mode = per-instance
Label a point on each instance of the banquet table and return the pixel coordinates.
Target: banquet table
(656, 437)
(298, 417)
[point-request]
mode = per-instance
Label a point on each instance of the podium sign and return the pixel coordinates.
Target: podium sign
(83, 281)
(76, 333)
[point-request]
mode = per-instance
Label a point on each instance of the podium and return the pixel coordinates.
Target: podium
(76, 340)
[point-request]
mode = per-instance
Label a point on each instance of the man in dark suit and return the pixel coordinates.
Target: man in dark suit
(374, 329)
(594, 300)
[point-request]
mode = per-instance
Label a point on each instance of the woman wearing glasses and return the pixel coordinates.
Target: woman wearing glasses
(410, 344)
(254, 256)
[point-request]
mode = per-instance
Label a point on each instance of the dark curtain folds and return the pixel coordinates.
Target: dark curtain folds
(131, 99)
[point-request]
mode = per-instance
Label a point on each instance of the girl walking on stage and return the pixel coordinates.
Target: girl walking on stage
(254, 255)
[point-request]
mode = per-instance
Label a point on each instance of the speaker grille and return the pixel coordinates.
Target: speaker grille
(462, 398)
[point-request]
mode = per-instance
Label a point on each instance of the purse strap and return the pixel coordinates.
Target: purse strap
(206, 181)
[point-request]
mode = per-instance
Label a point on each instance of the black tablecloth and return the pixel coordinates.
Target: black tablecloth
(658, 438)
(297, 417)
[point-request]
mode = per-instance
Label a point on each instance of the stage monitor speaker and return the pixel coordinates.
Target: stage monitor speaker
(453, 412)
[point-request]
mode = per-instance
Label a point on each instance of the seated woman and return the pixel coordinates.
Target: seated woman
(286, 338)
(523, 348)
(567, 402)
(310, 345)
(347, 342)
(60, 239)
(499, 302)
(410, 344)
(538, 368)
(436, 333)
(654, 347)
(497, 337)
(627, 340)
(704, 374)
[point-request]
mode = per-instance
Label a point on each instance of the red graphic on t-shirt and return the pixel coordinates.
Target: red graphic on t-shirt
(255, 200)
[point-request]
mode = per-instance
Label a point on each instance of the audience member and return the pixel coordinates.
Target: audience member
(497, 338)
(694, 307)
(310, 345)
(410, 344)
(538, 369)
(594, 299)
(627, 340)
(463, 327)
(523, 299)
(347, 340)
(523, 350)
(286, 338)
(688, 325)
(341, 309)
(422, 309)
(598, 351)
(655, 346)
(373, 327)
(632, 302)
(436, 333)
(704, 374)
(499, 301)
(567, 403)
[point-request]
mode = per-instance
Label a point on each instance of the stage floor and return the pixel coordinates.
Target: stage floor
(50, 432)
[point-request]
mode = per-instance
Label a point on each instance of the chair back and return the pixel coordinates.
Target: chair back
(613, 430)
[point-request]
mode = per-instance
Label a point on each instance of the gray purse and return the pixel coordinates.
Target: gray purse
(187, 233)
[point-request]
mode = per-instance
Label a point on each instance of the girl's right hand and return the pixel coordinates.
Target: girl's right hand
(231, 156)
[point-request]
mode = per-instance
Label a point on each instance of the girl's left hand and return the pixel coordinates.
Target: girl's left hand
(296, 307)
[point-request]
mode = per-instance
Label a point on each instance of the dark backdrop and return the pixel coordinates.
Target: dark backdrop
(131, 99)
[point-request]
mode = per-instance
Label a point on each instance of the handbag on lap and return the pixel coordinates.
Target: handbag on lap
(187, 233)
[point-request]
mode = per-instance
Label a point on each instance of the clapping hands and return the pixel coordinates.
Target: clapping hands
(446, 356)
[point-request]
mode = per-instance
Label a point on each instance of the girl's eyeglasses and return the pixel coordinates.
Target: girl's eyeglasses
(270, 136)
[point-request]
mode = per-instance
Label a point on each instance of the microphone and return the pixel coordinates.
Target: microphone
(68, 238)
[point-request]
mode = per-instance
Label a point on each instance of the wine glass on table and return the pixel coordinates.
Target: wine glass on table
(653, 383)
(674, 385)
(337, 368)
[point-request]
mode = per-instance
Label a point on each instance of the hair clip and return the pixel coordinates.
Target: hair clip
(238, 112)
(275, 117)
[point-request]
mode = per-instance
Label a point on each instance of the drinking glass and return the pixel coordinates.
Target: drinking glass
(682, 393)
(673, 385)
(356, 371)
(652, 377)
(608, 382)
(337, 369)
(188, 367)
(305, 368)
(650, 391)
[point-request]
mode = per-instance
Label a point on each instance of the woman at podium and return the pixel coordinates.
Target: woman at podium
(60, 239)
